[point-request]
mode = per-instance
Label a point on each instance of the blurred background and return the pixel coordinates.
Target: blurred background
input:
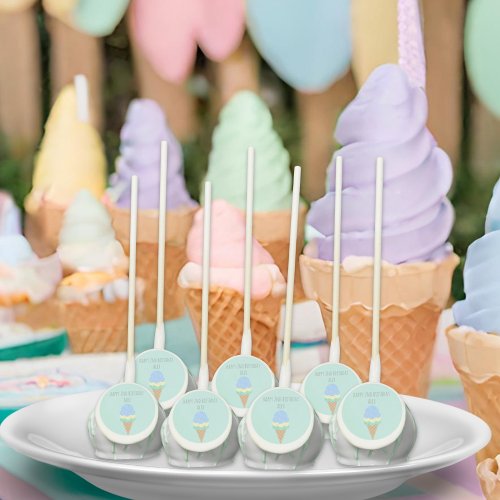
(44, 44)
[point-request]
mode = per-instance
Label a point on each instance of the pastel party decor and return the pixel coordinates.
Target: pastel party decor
(308, 44)
(169, 31)
(94, 17)
(374, 36)
(411, 42)
(481, 46)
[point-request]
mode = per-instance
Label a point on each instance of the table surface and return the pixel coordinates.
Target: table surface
(23, 478)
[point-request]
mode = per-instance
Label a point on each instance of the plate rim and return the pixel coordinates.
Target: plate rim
(97, 467)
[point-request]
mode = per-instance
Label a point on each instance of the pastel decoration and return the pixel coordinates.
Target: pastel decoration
(10, 215)
(15, 5)
(482, 45)
(93, 17)
(308, 44)
(168, 32)
(411, 42)
(374, 36)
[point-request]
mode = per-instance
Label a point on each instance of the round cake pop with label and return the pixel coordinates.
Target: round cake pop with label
(162, 371)
(126, 422)
(373, 425)
(240, 379)
(281, 430)
(325, 386)
(201, 430)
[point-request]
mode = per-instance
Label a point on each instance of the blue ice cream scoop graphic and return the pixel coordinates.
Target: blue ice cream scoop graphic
(281, 422)
(332, 396)
(127, 417)
(200, 424)
(244, 389)
(372, 419)
(156, 383)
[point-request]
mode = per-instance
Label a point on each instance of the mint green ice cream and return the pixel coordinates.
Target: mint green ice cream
(246, 121)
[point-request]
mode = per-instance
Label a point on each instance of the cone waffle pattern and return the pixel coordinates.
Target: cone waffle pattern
(406, 344)
(48, 314)
(475, 356)
(147, 265)
(489, 475)
(97, 327)
(225, 325)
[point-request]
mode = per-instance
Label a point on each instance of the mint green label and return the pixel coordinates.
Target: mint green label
(372, 411)
(281, 416)
(201, 417)
(326, 386)
(241, 379)
(163, 373)
(127, 409)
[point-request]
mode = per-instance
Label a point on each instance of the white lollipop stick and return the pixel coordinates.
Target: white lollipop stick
(285, 373)
(130, 363)
(335, 344)
(207, 215)
(377, 272)
(159, 342)
(82, 98)
(246, 340)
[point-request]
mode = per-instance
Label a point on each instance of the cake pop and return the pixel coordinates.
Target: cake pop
(201, 430)
(240, 379)
(157, 369)
(325, 386)
(281, 430)
(126, 421)
(373, 425)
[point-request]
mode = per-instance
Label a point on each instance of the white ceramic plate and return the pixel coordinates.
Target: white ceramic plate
(54, 432)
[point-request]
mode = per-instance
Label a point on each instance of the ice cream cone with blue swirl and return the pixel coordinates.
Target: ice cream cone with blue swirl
(372, 419)
(200, 424)
(127, 417)
(332, 396)
(156, 383)
(244, 389)
(281, 422)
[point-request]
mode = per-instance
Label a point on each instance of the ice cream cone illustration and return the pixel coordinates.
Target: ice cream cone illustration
(244, 389)
(332, 396)
(156, 383)
(372, 419)
(281, 422)
(127, 417)
(200, 424)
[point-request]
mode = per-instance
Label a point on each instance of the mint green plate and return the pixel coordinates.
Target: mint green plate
(46, 347)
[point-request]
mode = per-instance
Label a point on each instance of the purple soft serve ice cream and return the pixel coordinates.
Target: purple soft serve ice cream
(387, 119)
(144, 129)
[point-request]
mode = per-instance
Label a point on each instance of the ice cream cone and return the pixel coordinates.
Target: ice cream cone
(281, 434)
(96, 327)
(178, 225)
(489, 476)
(43, 223)
(127, 426)
(372, 429)
(48, 314)
(476, 356)
(333, 406)
(244, 399)
(157, 393)
(413, 296)
(201, 434)
(271, 230)
(226, 325)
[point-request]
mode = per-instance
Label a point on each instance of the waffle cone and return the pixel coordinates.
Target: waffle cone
(178, 225)
(244, 399)
(272, 231)
(476, 356)
(42, 226)
(413, 296)
(48, 314)
(96, 327)
(372, 429)
(225, 325)
(280, 433)
(201, 434)
(489, 476)
(127, 426)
